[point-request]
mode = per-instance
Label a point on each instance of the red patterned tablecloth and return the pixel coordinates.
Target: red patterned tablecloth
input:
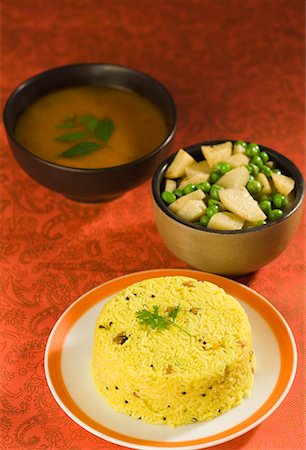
(236, 70)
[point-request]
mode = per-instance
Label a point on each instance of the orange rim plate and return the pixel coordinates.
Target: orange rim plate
(67, 368)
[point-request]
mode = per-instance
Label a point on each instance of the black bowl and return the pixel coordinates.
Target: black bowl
(89, 185)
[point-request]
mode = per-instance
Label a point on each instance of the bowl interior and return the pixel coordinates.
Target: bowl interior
(89, 184)
(286, 166)
(90, 74)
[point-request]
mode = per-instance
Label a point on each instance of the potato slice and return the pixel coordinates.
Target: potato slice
(178, 166)
(238, 149)
(270, 164)
(265, 184)
(215, 153)
(250, 224)
(240, 202)
(180, 202)
(194, 179)
(201, 166)
(283, 184)
(225, 221)
(238, 160)
(235, 178)
(170, 185)
(192, 211)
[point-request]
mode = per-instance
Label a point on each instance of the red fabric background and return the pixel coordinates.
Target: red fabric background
(236, 70)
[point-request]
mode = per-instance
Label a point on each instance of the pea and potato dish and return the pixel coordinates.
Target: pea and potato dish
(236, 186)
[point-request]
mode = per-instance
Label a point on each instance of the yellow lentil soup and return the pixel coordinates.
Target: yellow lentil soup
(137, 126)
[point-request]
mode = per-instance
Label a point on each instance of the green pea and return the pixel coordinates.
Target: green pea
(264, 156)
(204, 220)
(211, 210)
(251, 178)
(223, 167)
(253, 187)
(260, 223)
(205, 186)
(253, 169)
(277, 171)
(189, 188)
(178, 193)
(264, 197)
(275, 214)
(212, 201)
(214, 176)
(266, 171)
(252, 149)
(214, 191)
(256, 159)
(279, 200)
(265, 206)
(168, 197)
(240, 144)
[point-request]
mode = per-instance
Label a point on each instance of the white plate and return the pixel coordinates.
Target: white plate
(67, 367)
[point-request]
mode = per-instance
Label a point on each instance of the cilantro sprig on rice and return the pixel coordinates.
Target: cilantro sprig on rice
(154, 320)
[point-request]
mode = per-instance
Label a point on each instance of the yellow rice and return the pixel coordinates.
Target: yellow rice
(167, 376)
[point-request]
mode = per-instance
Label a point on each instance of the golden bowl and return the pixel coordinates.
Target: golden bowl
(232, 253)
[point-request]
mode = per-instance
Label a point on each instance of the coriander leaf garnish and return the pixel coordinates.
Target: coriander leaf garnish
(156, 321)
(73, 136)
(172, 314)
(153, 319)
(105, 129)
(80, 149)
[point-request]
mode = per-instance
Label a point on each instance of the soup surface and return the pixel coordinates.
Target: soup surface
(138, 126)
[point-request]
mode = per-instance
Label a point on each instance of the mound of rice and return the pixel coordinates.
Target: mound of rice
(181, 374)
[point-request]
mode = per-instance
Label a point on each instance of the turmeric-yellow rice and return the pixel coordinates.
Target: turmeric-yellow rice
(173, 350)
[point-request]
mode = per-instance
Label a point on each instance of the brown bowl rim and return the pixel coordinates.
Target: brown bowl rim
(46, 73)
(295, 173)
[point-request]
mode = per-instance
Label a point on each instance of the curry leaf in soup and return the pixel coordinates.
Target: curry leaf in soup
(85, 118)
(105, 129)
(73, 136)
(80, 149)
(92, 124)
(69, 122)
